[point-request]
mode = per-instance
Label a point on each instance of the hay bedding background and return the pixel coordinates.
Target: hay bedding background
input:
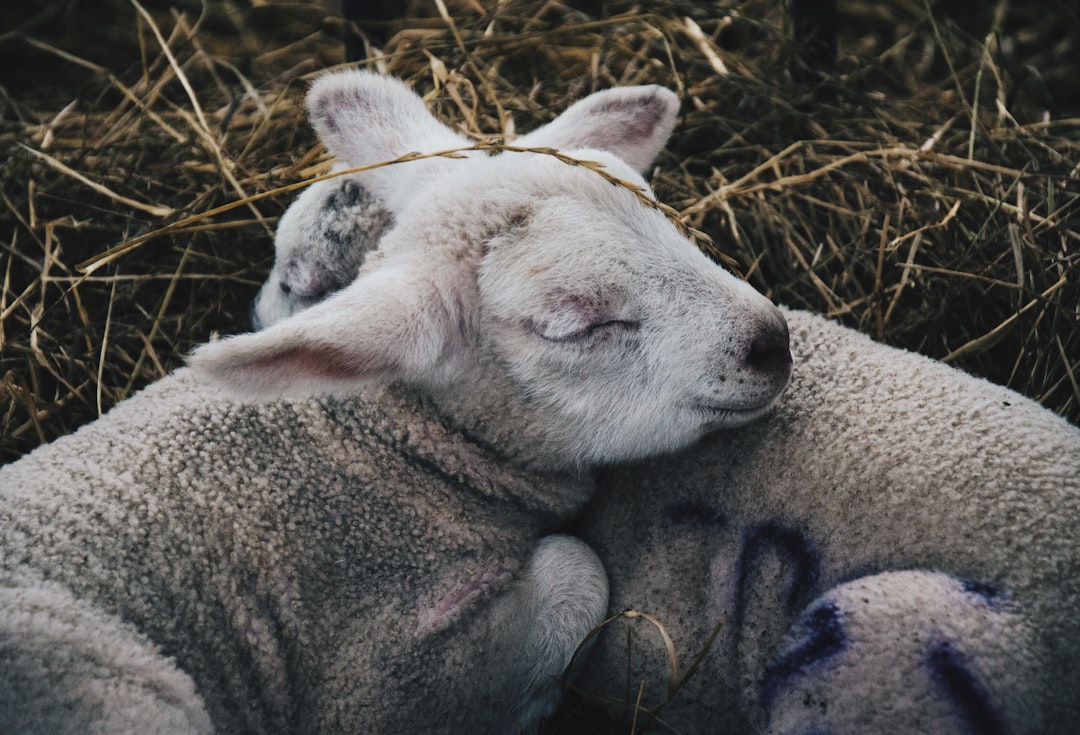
(927, 193)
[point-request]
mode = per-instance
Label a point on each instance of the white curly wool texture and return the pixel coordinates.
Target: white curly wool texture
(70, 668)
(289, 602)
(947, 509)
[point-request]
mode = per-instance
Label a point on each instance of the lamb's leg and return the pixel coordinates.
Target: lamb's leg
(539, 624)
(904, 652)
(67, 667)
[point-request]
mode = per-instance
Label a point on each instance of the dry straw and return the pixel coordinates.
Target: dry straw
(927, 193)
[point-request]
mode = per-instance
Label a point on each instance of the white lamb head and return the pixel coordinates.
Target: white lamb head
(326, 234)
(531, 300)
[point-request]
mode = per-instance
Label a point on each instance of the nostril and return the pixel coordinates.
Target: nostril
(285, 288)
(770, 350)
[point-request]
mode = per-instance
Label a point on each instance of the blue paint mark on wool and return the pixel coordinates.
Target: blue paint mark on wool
(819, 636)
(795, 552)
(951, 671)
(988, 592)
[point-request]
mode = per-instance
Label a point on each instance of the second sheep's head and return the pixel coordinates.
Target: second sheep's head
(521, 290)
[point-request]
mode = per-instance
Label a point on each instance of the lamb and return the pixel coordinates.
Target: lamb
(893, 550)
(343, 523)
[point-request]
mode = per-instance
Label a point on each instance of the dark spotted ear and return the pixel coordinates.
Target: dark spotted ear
(397, 323)
(633, 123)
(365, 118)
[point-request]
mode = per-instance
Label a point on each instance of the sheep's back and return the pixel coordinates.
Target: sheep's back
(876, 459)
(269, 547)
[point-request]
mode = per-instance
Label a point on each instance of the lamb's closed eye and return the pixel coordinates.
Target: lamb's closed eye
(899, 480)
(581, 318)
(561, 334)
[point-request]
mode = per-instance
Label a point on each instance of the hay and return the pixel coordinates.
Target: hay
(926, 194)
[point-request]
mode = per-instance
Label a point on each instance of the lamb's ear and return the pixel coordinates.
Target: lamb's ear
(366, 118)
(633, 123)
(388, 325)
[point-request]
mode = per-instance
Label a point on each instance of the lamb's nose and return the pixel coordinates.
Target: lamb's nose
(770, 351)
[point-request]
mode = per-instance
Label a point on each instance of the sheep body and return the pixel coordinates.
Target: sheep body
(376, 561)
(196, 520)
(920, 524)
(70, 668)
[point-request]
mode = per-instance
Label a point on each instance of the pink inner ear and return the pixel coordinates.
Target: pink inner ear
(327, 363)
(335, 101)
(638, 121)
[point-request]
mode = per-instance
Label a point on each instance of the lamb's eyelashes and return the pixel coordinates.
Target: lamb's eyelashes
(877, 461)
(585, 335)
(583, 318)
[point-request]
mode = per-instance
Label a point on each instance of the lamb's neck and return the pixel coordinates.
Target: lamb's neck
(483, 450)
(490, 408)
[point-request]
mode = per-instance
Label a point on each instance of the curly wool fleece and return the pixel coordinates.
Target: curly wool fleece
(893, 551)
(285, 601)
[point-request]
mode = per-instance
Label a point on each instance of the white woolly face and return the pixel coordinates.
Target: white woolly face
(522, 282)
(605, 314)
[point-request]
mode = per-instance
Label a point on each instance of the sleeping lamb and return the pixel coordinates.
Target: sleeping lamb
(374, 560)
(893, 551)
